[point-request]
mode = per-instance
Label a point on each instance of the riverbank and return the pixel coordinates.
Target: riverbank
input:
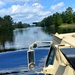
(67, 26)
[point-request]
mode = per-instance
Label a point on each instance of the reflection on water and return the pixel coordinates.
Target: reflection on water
(4, 39)
(22, 38)
(53, 30)
(65, 30)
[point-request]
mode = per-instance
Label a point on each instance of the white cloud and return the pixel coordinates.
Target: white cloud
(57, 6)
(26, 8)
(19, 1)
(2, 4)
(30, 16)
(74, 9)
(25, 13)
(15, 9)
(37, 5)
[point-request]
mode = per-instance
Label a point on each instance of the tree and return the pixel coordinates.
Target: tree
(63, 16)
(19, 25)
(49, 21)
(69, 10)
(46, 22)
(74, 17)
(1, 24)
(69, 15)
(57, 19)
(8, 23)
(43, 23)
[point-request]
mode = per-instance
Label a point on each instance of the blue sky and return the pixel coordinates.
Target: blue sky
(29, 11)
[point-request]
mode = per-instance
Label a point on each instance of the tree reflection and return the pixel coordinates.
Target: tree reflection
(4, 38)
(53, 30)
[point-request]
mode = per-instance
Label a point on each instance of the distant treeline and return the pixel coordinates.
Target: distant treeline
(57, 19)
(21, 25)
(7, 25)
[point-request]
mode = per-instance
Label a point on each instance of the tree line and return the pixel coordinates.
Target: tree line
(57, 19)
(7, 25)
(21, 25)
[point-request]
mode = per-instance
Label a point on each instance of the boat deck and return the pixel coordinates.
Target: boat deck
(69, 38)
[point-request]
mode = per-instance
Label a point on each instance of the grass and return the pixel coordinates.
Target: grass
(67, 26)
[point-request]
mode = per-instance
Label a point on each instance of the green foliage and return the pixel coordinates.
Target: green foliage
(57, 19)
(6, 25)
(74, 17)
(69, 15)
(21, 25)
(63, 16)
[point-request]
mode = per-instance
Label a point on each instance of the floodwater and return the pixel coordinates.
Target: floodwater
(15, 62)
